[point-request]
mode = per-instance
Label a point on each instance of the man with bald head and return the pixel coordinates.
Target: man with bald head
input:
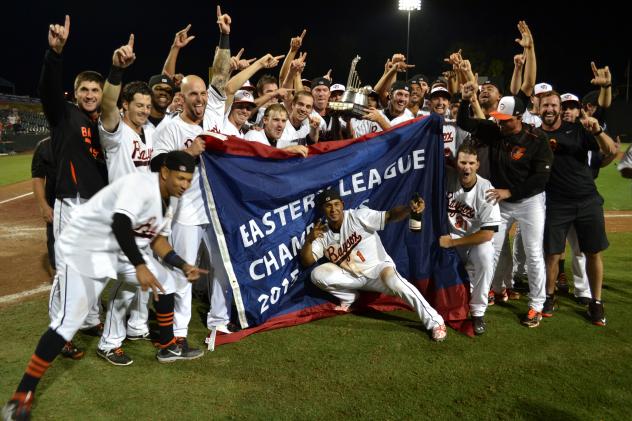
(203, 110)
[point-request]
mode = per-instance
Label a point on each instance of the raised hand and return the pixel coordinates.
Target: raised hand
(454, 58)
(223, 21)
(465, 66)
(519, 60)
(298, 64)
(403, 66)
(318, 231)
(296, 42)
(182, 38)
(527, 39)
(468, 90)
(602, 77)
(58, 35)
(314, 122)
(590, 123)
(282, 93)
(237, 63)
(124, 56)
(269, 61)
(328, 75)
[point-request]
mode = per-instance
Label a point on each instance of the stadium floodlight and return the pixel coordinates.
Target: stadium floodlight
(409, 6)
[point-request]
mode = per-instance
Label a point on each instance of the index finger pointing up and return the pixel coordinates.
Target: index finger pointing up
(303, 34)
(67, 24)
(219, 11)
(131, 40)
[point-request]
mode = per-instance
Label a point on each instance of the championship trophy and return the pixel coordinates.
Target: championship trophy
(354, 102)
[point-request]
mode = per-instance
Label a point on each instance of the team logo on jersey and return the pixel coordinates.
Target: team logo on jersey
(517, 152)
(448, 137)
(338, 254)
(459, 208)
(141, 156)
(146, 230)
(94, 150)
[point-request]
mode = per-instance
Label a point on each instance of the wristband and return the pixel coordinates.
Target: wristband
(599, 132)
(116, 75)
(174, 260)
(224, 43)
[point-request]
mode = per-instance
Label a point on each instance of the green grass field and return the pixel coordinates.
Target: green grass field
(372, 366)
(15, 168)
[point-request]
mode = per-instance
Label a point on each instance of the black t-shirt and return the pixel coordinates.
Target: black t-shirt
(43, 166)
(519, 162)
(571, 177)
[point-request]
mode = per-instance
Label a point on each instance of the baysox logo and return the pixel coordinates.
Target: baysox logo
(517, 152)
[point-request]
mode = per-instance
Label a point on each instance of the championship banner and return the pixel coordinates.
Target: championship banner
(261, 204)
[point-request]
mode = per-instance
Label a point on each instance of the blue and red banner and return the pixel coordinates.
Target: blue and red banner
(261, 203)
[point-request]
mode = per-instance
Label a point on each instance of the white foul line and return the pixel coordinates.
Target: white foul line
(619, 215)
(16, 197)
(15, 297)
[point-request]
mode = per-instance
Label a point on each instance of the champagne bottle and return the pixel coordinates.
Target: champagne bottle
(415, 222)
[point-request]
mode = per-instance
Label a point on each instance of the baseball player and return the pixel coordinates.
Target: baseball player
(127, 141)
(275, 120)
(453, 136)
(358, 260)
(81, 169)
(395, 112)
(132, 215)
(573, 199)
(473, 222)
(520, 161)
(203, 110)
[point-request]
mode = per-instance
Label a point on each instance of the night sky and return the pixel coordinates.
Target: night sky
(565, 42)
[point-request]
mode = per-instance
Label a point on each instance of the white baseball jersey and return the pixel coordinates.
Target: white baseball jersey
(177, 135)
(357, 248)
(229, 128)
(626, 162)
(87, 243)
(533, 119)
(453, 137)
(125, 150)
(468, 210)
(361, 128)
(214, 112)
(167, 118)
(257, 136)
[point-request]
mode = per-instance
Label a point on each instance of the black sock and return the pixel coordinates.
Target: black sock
(561, 266)
(164, 315)
(48, 348)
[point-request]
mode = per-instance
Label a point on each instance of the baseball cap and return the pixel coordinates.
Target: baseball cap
(243, 97)
(248, 86)
(320, 81)
(337, 87)
(490, 81)
(541, 88)
(417, 79)
(156, 79)
(591, 98)
(399, 84)
(180, 161)
(440, 90)
(327, 196)
(569, 98)
(306, 82)
(508, 107)
(373, 94)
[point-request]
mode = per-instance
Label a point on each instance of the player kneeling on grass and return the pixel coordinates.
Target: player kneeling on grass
(358, 260)
(473, 222)
(126, 220)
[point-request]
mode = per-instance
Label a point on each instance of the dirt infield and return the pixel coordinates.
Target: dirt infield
(23, 259)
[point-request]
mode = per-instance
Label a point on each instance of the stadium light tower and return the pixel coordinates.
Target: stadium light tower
(409, 6)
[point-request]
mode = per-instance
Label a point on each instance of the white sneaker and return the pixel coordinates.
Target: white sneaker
(439, 333)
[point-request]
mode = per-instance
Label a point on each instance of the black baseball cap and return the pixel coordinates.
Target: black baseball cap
(400, 85)
(327, 196)
(156, 79)
(180, 161)
(418, 78)
(320, 81)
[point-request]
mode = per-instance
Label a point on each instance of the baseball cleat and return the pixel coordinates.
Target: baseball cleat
(174, 352)
(596, 313)
(18, 408)
(532, 318)
(550, 305)
(71, 351)
(144, 337)
(584, 301)
(479, 325)
(96, 330)
(439, 333)
(115, 356)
